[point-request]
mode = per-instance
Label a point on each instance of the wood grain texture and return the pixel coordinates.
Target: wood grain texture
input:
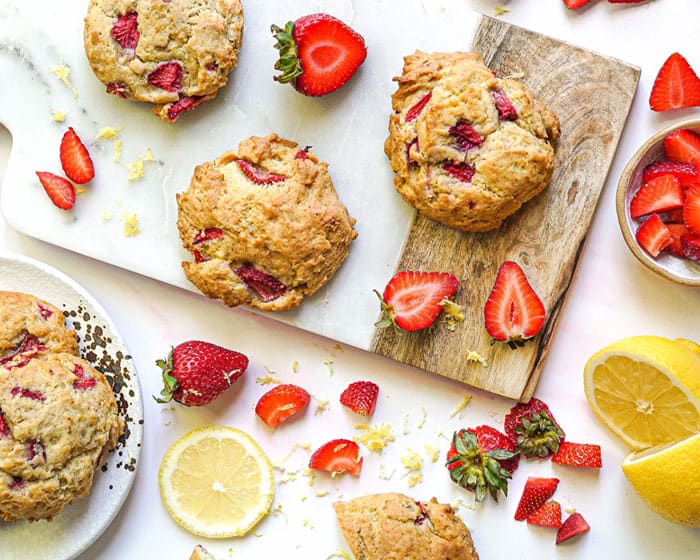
(592, 95)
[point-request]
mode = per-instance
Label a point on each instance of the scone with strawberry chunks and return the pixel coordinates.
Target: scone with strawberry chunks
(264, 225)
(468, 148)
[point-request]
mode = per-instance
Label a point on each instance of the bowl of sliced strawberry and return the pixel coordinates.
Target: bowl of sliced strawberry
(658, 203)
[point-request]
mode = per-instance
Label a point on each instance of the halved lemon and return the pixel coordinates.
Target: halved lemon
(664, 477)
(216, 482)
(646, 389)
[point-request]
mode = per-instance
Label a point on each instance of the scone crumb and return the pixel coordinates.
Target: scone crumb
(413, 466)
(267, 380)
(131, 224)
(474, 356)
(433, 453)
(375, 438)
(58, 116)
(62, 72)
(466, 399)
(454, 313)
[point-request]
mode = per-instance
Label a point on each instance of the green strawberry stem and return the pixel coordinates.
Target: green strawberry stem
(288, 62)
(170, 383)
(538, 435)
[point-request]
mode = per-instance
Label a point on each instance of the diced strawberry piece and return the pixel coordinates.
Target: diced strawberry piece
(337, 456)
(465, 136)
(167, 76)
(677, 230)
(460, 170)
(82, 381)
(690, 247)
(653, 235)
(117, 88)
(660, 194)
(506, 110)
(61, 191)
(75, 158)
(574, 525)
(4, 429)
(27, 349)
(27, 393)
(417, 108)
(513, 312)
(17, 483)
(207, 234)
(683, 145)
(281, 403)
(35, 449)
(676, 85)
(266, 286)
(257, 175)
(575, 4)
(536, 492)
(44, 312)
(413, 300)
(125, 30)
(302, 154)
(548, 515)
(198, 257)
(578, 455)
(686, 173)
(184, 104)
(360, 397)
(691, 209)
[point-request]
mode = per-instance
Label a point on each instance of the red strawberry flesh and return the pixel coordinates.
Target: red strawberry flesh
(117, 88)
(683, 145)
(75, 158)
(167, 76)
(28, 347)
(506, 110)
(26, 393)
(281, 403)
(653, 235)
(548, 515)
(184, 104)
(257, 175)
(207, 234)
(266, 287)
(460, 170)
(360, 397)
(573, 526)
(691, 209)
(82, 381)
(690, 247)
(125, 30)
(536, 492)
(532, 429)
(686, 173)
(465, 136)
(676, 85)
(337, 456)
(659, 194)
(415, 110)
(578, 455)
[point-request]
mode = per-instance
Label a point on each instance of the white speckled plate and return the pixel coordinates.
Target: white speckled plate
(81, 523)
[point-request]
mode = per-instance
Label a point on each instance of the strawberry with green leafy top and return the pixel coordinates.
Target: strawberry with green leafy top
(318, 53)
(533, 429)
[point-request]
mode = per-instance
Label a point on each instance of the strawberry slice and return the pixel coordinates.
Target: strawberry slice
(536, 492)
(415, 110)
(690, 246)
(575, 4)
(257, 175)
(167, 76)
(578, 455)
(337, 456)
(318, 53)
(691, 209)
(75, 158)
(360, 397)
(677, 230)
(125, 30)
(574, 525)
(280, 403)
(660, 194)
(413, 300)
(686, 173)
(60, 190)
(513, 313)
(683, 145)
(653, 235)
(676, 85)
(549, 515)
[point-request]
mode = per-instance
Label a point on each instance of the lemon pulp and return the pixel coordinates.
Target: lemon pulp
(216, 482)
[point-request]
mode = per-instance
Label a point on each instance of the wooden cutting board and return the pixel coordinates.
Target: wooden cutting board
(590, 93)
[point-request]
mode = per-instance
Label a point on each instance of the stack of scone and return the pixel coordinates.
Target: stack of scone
(58, 414)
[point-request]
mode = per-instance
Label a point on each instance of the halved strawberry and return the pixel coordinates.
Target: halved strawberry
(690, 246)
(575, 4)
(677, 230)
(61, 191)
(548, 515)
(686, 173)
(573, 526)
(280, 403)
(653, 235)
(360, 397)
(318, 53)
(413, 300)
(579, 455)
(691, 209)
(257, 175)
(533, 430)
(337, 456)
(536, 492)
(659, 194)
(75, 158)
(513, 313)
(683, 145)
(676, 85)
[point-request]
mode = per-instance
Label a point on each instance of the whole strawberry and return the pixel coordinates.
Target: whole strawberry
(318, 53)
(532, 428)
(196, 372)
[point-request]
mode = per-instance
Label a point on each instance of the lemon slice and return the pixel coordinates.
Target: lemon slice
(646, 389)
(216, 482)
(662, 476)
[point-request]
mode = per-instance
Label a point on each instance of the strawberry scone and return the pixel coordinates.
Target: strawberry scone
(174, 54)
(58, 417)
(31, 328)
(264, 225)
(392, 525)
(468, 149)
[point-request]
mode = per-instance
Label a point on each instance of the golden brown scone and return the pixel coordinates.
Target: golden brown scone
(393, 526)
(58, 416)
(31, 328)
(174, 54)
(468, 149)
(264, 224)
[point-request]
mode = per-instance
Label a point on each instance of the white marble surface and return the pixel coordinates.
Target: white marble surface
(612, 296)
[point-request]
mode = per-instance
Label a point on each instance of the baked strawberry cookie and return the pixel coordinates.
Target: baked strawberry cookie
(468, 148)
(264, 225)
(174, 54)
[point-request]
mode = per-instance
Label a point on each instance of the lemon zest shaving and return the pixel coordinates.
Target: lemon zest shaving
(433, 453)
(382, 472)
(454, 313)
(108, 133)
(413, 466)
(461, 406)
(267, 380)
(421, 423)
(405, 424)
(322, 405)
(474, 356)
(136, 167)
(58, 116)
(375, 438)
(500, 10)
(339, 554)
(62, 72)
(131, 224)
(329, 364)
(295, 366)
(323, 493)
